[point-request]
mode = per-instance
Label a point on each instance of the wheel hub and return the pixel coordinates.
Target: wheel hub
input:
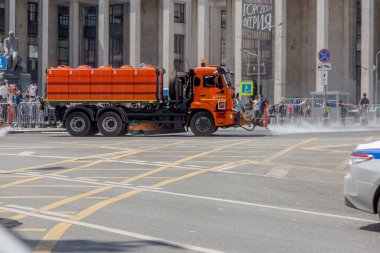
(203, 124)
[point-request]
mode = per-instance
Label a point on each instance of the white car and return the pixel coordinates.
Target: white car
(361, 185)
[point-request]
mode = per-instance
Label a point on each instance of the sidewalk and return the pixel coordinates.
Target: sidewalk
(36, 130)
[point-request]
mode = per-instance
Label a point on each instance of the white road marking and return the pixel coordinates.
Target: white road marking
(58, 175)
(26, 153)
(277, 173)
(113, 230)
(149, 187)
(35, 210)
(279, 208)
(87, 179)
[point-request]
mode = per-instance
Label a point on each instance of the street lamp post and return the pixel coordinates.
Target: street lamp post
(376, 76)
(259, 54)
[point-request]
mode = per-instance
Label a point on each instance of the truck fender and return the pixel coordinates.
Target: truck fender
(79, 108)
(117, 110)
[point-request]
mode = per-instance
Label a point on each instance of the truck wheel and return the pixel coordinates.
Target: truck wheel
(202, 124)
(78, 124)
(110, 124)
(216, 129)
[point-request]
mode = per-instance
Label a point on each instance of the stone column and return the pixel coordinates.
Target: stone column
(238, 42)
(230, 38)
(135, 36)
(10, 16)
(103, 33)
(43, 44)
(203, 31)
(322, 36)
(367, 59)
(194, 62)
(74, 34)
(188, 36)
(168, 39)
(280, 51)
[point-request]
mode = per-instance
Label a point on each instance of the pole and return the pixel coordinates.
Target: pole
(259, 61)
(376, 78)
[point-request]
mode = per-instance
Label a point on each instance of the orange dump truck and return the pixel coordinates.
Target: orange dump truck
(107, 100)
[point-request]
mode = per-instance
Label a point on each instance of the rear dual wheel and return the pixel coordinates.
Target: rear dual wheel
(110, 124)
(78, 124)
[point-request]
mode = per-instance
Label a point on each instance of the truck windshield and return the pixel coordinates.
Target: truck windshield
(227, 79)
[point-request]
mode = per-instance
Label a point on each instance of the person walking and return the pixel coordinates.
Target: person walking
(364, 105)
(237, 110)
(4, 92)
(32, 91)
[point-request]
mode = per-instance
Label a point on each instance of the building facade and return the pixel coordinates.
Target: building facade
(176, 34)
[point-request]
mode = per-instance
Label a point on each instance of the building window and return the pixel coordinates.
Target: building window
(224, 19)
(116, 14)
(116, 36)
(179, 52)
(2, 26)
(179, 13)
(63, 35)
(32, 62)
(223, 53)
(89, 34)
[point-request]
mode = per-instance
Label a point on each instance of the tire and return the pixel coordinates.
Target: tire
(378, 207)
(78, 124)
(202, 124)
(110, 124)
(94, 130)
(216, 129)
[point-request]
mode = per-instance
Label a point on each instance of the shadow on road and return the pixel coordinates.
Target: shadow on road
(7, 223)
(100, 246)
(51, 168)
(372, 228)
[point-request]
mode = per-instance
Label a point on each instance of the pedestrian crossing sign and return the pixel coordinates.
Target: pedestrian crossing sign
(3, 63)
(246, 88)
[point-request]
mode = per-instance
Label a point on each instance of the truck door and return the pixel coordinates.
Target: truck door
(211, 93)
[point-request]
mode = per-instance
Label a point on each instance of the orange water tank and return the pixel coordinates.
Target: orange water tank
(101, 83)
(80, 83)
(122, 83)
(58, 83)
(145, 84)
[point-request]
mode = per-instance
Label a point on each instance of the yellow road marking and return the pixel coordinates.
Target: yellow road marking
(33, 197)
(97, 198)
(29, 229)
(54, 234)
(288, 149)
(88, 194)
(105, 169)
(370, 138)
(56, 186)
(12, 176)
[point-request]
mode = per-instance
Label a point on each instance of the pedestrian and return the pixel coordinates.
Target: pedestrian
(4, 92)
(256, 107)
(32, 91)
(237, 110)
(364, 104)
(262, 104)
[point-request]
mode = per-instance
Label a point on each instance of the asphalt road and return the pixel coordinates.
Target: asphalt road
(233, 192)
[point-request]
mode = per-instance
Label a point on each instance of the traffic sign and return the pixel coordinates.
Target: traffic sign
(324, 55)
(325, 77)
(3, 63)
(324, 66)
(246, 88)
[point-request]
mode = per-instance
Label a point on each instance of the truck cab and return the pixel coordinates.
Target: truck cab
(212, 105)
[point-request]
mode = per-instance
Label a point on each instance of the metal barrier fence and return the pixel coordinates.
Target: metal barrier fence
(314, 110)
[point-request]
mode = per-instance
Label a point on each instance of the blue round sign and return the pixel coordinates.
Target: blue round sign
(324, 55)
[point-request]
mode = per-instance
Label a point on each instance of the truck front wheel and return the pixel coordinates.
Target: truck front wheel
(78, 124)
(110, 124)
(202, 124)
